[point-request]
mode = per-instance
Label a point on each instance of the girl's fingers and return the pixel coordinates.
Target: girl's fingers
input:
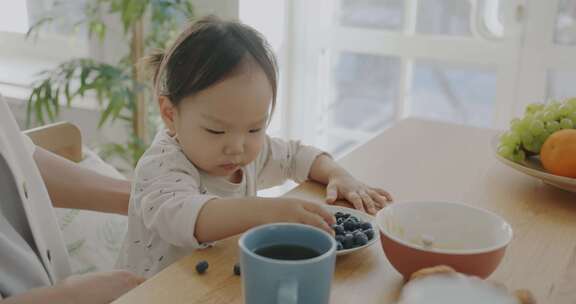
(354, 198)
(384, 193)
(368, 202)
(314, 219)
(321, 212)
(331, 193)
(380, 200)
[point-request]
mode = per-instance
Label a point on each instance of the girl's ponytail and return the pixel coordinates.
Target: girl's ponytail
(152, 64)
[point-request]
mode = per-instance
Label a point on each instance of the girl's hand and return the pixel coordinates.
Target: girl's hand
(360, 195)
(300, 211)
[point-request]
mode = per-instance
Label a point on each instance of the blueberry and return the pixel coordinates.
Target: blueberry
(363, 240)
(201, 266)
(357, 230)
(339, 238)
(349, 225)
(348, 241)
(365, 225)
(339, 220)
(369, 233)
(360, 239)
(339, 229)
(237, 269)
(339, 246)
(339, 214)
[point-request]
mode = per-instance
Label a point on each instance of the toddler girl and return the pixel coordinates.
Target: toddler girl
(196, 184)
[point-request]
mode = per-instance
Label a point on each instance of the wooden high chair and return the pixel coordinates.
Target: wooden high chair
(62, 138)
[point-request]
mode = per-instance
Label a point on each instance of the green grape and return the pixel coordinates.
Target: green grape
(537, 127)
(526, 137)
(538, 116)
(519, 156)
(538, 144)
(526, 121)
(541, 137)
(548, 116)
(506, 151)
(516, 125)
(548, 133)
(566, 109)
(510, 139)
(530, 146)
(566, 123)
(552, 126)
(545, 136)
(533, 108)
(572, 117)
(554, 105)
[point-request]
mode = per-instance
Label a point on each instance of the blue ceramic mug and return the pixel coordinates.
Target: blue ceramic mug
(286, 263)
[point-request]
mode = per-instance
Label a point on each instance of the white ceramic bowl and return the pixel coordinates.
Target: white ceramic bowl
(361, 216)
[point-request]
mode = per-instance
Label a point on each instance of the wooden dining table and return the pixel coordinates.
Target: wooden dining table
(415, 160)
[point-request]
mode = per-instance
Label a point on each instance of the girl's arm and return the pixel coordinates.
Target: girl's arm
(324, 168)
(342, 185)
(224, 217)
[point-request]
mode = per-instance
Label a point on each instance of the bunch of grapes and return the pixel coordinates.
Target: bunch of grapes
(527, 135)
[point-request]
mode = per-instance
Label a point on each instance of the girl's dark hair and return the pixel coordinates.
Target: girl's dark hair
(206, 52)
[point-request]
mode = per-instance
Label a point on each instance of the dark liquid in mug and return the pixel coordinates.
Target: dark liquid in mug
(287, 252)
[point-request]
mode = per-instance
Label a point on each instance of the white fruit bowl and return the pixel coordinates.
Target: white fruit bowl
(534, 168)
(361, 216)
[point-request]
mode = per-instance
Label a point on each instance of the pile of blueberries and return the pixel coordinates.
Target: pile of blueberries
(351, 232)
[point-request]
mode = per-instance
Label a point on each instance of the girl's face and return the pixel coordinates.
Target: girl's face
(223, 127)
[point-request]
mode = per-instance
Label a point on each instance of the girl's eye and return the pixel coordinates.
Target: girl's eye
(255, 130)
(214, 131)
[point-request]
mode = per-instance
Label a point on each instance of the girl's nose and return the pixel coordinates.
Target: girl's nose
(235, 145)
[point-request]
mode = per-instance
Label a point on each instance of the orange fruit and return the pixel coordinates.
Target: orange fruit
(558, 154)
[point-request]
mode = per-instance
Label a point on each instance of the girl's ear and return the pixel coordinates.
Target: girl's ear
(168, 112)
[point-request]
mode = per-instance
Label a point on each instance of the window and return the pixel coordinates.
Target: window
(21, 58)
(272, 25)
(361, 65)
(561, 79)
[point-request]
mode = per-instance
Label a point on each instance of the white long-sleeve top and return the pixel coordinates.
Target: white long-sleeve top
(168, 193)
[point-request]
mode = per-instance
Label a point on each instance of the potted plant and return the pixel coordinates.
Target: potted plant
(119, 89)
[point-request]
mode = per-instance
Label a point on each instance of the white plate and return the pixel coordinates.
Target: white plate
(361, 216)
(534, 168)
